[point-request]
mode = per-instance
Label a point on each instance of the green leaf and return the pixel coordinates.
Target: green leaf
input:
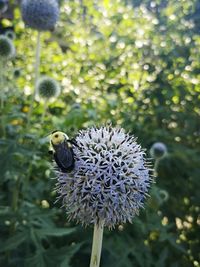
(70, 252)
(57, 232)
(13, 242)
(162, 257)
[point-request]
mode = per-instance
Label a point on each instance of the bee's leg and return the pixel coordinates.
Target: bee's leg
(51, 149)
(73, 142)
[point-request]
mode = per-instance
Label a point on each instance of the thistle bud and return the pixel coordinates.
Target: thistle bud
(17, 73)
(10, 34)
(47, 89)
(158, 150)
(7, 49)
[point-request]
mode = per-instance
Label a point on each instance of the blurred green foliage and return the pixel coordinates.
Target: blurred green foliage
(131, 63)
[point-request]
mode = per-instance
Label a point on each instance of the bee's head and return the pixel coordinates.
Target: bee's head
(58, 137)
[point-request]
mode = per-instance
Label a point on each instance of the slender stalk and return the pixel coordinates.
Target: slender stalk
(2, 92)
(14, 207)
(97, 245)
(37, 67)
(44, 111)
(14, 204)
(1, 84)
(156, 168)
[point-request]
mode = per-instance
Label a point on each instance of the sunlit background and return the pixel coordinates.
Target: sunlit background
(135, 64)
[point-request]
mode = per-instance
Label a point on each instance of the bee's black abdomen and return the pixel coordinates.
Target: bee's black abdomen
(64, 166)
(64, 157)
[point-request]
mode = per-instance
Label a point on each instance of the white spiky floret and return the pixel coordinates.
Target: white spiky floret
(110, 180)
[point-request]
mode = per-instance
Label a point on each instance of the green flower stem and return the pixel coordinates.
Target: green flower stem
(37, 67)
(44, 111)
(2, 84)
(15, 196)
(14, 207)
(97, 245)
(2, 98)
(156, 168)
(14, 204)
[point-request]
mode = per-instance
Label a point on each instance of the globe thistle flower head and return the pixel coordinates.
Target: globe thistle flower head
(3, 6)
(76, 106)
(10, 34)
(41, 15)
(158, 150)
(47, 89)
(17, 73)
(110, 180)
(7, 49)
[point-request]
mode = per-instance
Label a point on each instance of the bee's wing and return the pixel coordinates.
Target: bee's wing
(64, 156)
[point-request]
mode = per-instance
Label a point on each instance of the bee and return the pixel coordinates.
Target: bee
(62, 150)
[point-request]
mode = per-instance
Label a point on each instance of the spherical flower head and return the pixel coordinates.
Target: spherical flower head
(41, 15)
(7, 49)
(110, 180)
(158, 150)
(47, 89)
(17, 73)
(10, 34)
(3, 6)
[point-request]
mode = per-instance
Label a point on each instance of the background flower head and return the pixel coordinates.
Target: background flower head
(110, 180)
(158, 150)
(17, 73)
(7, 49)
(10, 34)
(3, 6)
(47, 89)
(41, 15)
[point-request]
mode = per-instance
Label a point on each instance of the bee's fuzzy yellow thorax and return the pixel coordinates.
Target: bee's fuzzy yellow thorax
(58, 137)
